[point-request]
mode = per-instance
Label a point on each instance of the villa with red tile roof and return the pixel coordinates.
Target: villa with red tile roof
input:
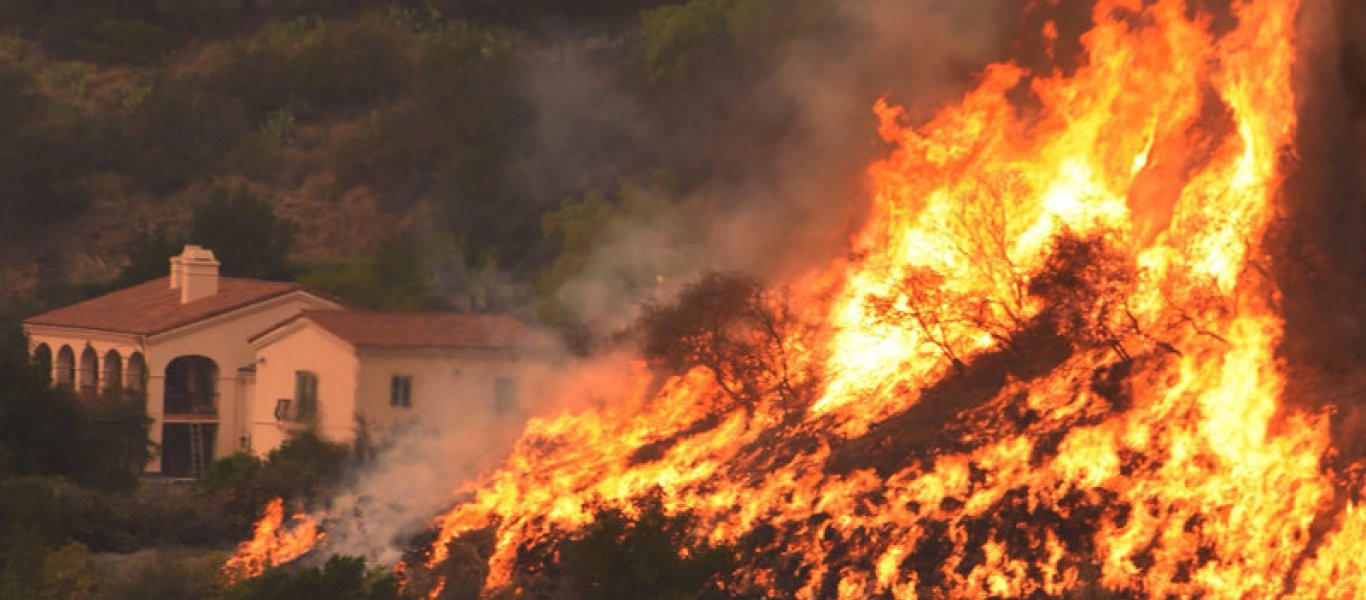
(229, 364)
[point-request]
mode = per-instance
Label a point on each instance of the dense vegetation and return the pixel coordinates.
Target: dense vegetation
(454, 154)
(402, 154)
(398, 154)
(69, 495)
(69, 501)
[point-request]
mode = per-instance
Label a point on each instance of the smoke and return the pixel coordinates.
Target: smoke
(769, 155)
(421, 463)
(1319, 246)
(766, 175)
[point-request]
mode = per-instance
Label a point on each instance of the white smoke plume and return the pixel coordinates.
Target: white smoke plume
(786, 202)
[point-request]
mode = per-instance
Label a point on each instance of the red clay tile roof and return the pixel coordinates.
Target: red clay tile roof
(427, 330)
(153, 307)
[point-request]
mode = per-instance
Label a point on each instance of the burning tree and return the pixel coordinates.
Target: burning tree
(1038, 377)
(633, 550)
(729, 325)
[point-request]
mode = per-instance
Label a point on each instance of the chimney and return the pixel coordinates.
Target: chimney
(177, 273)
(194, 273)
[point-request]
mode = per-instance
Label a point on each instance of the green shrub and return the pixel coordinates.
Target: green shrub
(164, 575)
(134, 41)
(305, 468)
(397, 278)
(44, 431)
(640, 551)
(63, 573)
(341, 578)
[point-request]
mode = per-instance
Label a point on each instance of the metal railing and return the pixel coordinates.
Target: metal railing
(184, 403)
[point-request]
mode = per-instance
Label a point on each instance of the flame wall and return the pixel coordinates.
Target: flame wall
(1049, 366)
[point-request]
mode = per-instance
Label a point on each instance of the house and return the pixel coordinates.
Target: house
(344, 371)
(228, 364)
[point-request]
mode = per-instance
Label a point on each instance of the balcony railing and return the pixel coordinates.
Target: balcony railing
(289, 411)
(184, 403)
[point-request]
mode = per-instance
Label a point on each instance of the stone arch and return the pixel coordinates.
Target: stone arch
(88, 375)
(111, 370)
(42, 358)
(66, 367)
(191, 386)
(135, 376)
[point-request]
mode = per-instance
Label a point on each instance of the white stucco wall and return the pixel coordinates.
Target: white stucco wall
(223, 339)
(302, 346)
(451, 388)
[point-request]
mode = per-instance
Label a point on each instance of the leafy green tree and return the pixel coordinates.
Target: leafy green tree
(680, 41)
(306, 468)
(579, 228)
(44, 432)
(241, 229)
(244, 234)
(398, 277)
(149, 252)
(677, 38)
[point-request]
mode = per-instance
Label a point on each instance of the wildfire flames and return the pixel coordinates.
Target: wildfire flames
(274, 542)
(1047, 366)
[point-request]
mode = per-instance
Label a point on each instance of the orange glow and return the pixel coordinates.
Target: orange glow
(1100, 245)
(274, 543)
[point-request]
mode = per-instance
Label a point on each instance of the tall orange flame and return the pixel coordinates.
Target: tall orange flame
(274, 542)
(1077, 286)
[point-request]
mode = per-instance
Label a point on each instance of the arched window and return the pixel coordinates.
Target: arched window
(66, 367)
(89, 371)
(191, 386)
(136, 373)
(42, 358)
(112, 370)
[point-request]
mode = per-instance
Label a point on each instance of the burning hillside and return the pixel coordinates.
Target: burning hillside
(1048, 365)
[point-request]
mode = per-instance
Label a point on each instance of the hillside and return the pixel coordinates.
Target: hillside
(456, 124)
(512, 146)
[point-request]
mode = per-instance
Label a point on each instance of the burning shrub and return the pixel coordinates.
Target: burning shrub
(919, 303)
(1084, 285)
(304, 468)
(729, 325)
(342, 577)
(462, 575)
(630, 551)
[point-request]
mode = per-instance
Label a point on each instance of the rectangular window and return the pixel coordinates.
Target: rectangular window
(401, 391)
(505, 401)
(305, 396)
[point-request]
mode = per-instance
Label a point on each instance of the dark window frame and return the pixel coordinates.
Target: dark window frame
(401, 391)
(305, 396)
